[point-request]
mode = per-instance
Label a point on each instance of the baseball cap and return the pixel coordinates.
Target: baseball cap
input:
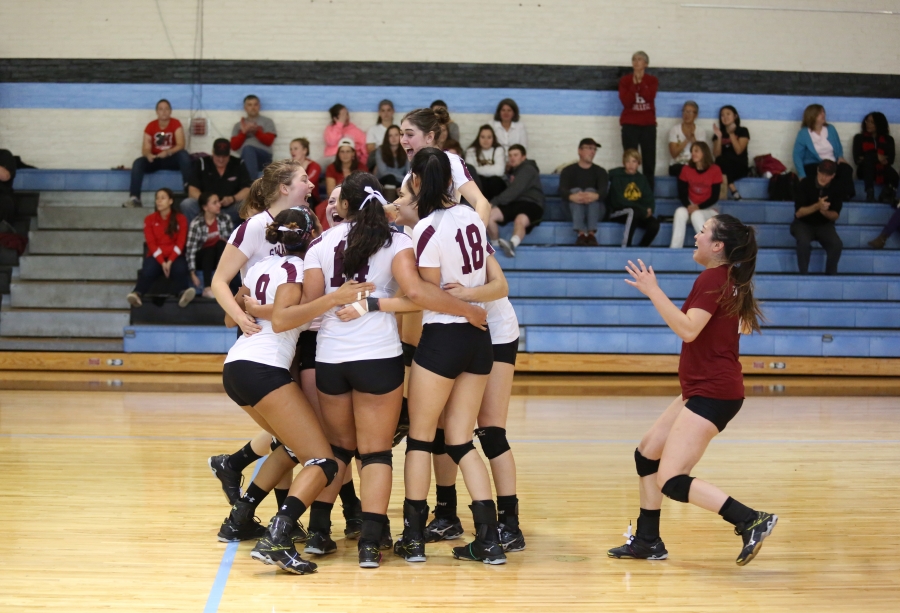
(827, 168)
(588, 141)
(346, 142)
(221, 146)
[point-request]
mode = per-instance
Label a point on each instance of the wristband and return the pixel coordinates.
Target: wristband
(372, 304)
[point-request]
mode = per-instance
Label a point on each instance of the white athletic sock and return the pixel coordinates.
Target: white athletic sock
(495, 243)
(515, 240)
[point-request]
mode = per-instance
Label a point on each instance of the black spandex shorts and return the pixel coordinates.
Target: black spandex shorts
(306, 349)
(409, 352)
(449, 350)
(510, 211)
(719, 412)
(249, 382)
(506, 352)
(367, 376)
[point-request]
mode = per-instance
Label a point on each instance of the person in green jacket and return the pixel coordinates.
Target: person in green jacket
(630, 200)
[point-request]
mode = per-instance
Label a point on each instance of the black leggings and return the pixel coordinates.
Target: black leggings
(207, 260)
(643, 138)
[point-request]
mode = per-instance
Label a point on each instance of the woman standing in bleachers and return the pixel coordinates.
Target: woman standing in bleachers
(699, 185)
(165, 232)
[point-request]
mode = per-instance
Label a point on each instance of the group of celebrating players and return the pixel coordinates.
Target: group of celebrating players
(362, 311)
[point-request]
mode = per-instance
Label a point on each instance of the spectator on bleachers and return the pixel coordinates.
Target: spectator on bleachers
(631, 201)
(730, 141)
(893, 225)
(375, 134)
(300, 153)
(699, 185)
(225, 176)
(7, 174)
(487, 157)
(683, 135)
(584, 186)
(252, 138)
(341, 129)
(521, 203)
(508, 127)
(391, 162)
(873, 152)
(452, 128)
(162, 149)
(818, 140)
(637, 91)
(816, 208)
(345, 162)
(165, 232)
(206, 239)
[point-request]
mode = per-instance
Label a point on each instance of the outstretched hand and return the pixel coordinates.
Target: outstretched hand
(644, 277)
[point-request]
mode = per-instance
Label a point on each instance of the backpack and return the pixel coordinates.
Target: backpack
(768, 163)
(784, 186)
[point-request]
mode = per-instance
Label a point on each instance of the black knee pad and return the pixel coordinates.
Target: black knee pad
(439, 446)
(493, 441)
(328, 466)
(417, 445)
(645, 467)
(458, 452)
(290, 454)
(409, 352)
(344, 455)
(378, 457)
(678, 488)
(275, 444)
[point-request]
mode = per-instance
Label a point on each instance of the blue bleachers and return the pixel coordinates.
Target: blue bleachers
(178, 339)
(92, 180)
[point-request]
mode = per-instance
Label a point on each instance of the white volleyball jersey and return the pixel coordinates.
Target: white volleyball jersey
(502, 321)
(454, 240)
(373, 336)
(266, 346)
(250, 238)
(458, 170)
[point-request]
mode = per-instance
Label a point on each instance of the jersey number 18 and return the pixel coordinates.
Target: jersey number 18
(474, 239)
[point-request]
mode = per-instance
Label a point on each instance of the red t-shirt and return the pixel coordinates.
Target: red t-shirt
(700, 183)
(162, 139)
(709, 365)
(314, 173)
(212, 234)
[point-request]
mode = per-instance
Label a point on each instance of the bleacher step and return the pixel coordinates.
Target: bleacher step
(85, 267)
(25, 343)
(69, 294)
(91, 218)
(90, 199)
(62, 322)
(86, 242)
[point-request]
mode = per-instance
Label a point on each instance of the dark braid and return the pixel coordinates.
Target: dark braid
(369, 230)
(740, 253)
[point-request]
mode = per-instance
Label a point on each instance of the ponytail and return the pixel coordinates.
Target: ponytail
(172, 226)
(432, 167)
(265, 190)
(370, 230)
(740, 252)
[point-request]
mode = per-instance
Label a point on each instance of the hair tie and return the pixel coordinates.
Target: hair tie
(372, 194)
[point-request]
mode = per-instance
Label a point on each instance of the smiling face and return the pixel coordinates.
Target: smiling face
(163, 111)
(413, 140)
(298, 190)
(298, 151)
(726, 117)
(407, 212)
(163, 202)
(708, 252)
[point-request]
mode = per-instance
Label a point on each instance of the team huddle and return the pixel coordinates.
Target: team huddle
(363, 310)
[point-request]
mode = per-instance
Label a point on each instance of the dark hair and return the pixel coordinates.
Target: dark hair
(518, 147)
(737, 118)
(881, 124)
(381, 104)
(428, 120)
(161, 101)
(204, 198)
(388, 156)
(250, 97)
(511, 104)
(810, 114)
(335, 110)
(299, 220)
(454, 146)
(432, 167)
(740, 253)
(476, 145)
(370, 230)
(172, 227)
(707, 155)
(339, 167)
(438, 103)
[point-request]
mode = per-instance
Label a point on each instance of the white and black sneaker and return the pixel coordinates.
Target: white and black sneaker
(638, 549)
(508, 248)
(753, 534)
(132, 203)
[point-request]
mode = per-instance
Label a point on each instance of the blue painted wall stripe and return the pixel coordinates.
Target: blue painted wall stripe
(461, 100)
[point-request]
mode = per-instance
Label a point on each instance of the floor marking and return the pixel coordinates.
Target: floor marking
(122, 437)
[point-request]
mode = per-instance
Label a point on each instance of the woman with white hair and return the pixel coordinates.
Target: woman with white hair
(637, 91)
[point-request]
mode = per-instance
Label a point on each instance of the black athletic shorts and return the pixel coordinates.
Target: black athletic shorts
(366, 376)
(719, 412)
(510, 211)
(506, 352)
(306, 349)
(409, 352)
(249, 382)
(449, 350)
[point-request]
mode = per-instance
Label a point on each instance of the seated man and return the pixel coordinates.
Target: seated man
(7, 174)
(162, 149)
(225, 176)
(521, 203)
(252, 138)
(584, 185)
(816, 208)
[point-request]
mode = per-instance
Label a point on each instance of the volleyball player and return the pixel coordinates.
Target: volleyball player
(720, 306)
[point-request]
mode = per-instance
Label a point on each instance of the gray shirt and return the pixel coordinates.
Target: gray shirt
(267, 126)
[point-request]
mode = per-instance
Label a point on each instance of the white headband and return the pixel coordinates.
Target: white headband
(372, 194)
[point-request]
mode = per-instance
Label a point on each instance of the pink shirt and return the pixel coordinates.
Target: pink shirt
(336, 131)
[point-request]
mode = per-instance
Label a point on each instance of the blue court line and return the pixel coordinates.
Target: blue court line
(218, 586)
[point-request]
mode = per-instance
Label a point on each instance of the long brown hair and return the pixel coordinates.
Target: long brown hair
(429, 120)
(810, 114)
(172, 227)
(394, 159)
(740, 253)
(476, 145)
(707, 156)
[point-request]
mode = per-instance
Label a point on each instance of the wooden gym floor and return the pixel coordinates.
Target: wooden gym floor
(108, 504)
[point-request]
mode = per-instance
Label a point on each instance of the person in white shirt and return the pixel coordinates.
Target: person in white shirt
(683, 135)
(489, 159)
(375, 134)
(507, 125)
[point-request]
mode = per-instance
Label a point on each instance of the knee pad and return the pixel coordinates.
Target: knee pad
(328, 466)
(645, 467)
(344, 455)
(378, 457)
(439, 447)
(678, 488)
(458, 452)
(291, 454)
(275, 444)
(417, 445)
(493, 441)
